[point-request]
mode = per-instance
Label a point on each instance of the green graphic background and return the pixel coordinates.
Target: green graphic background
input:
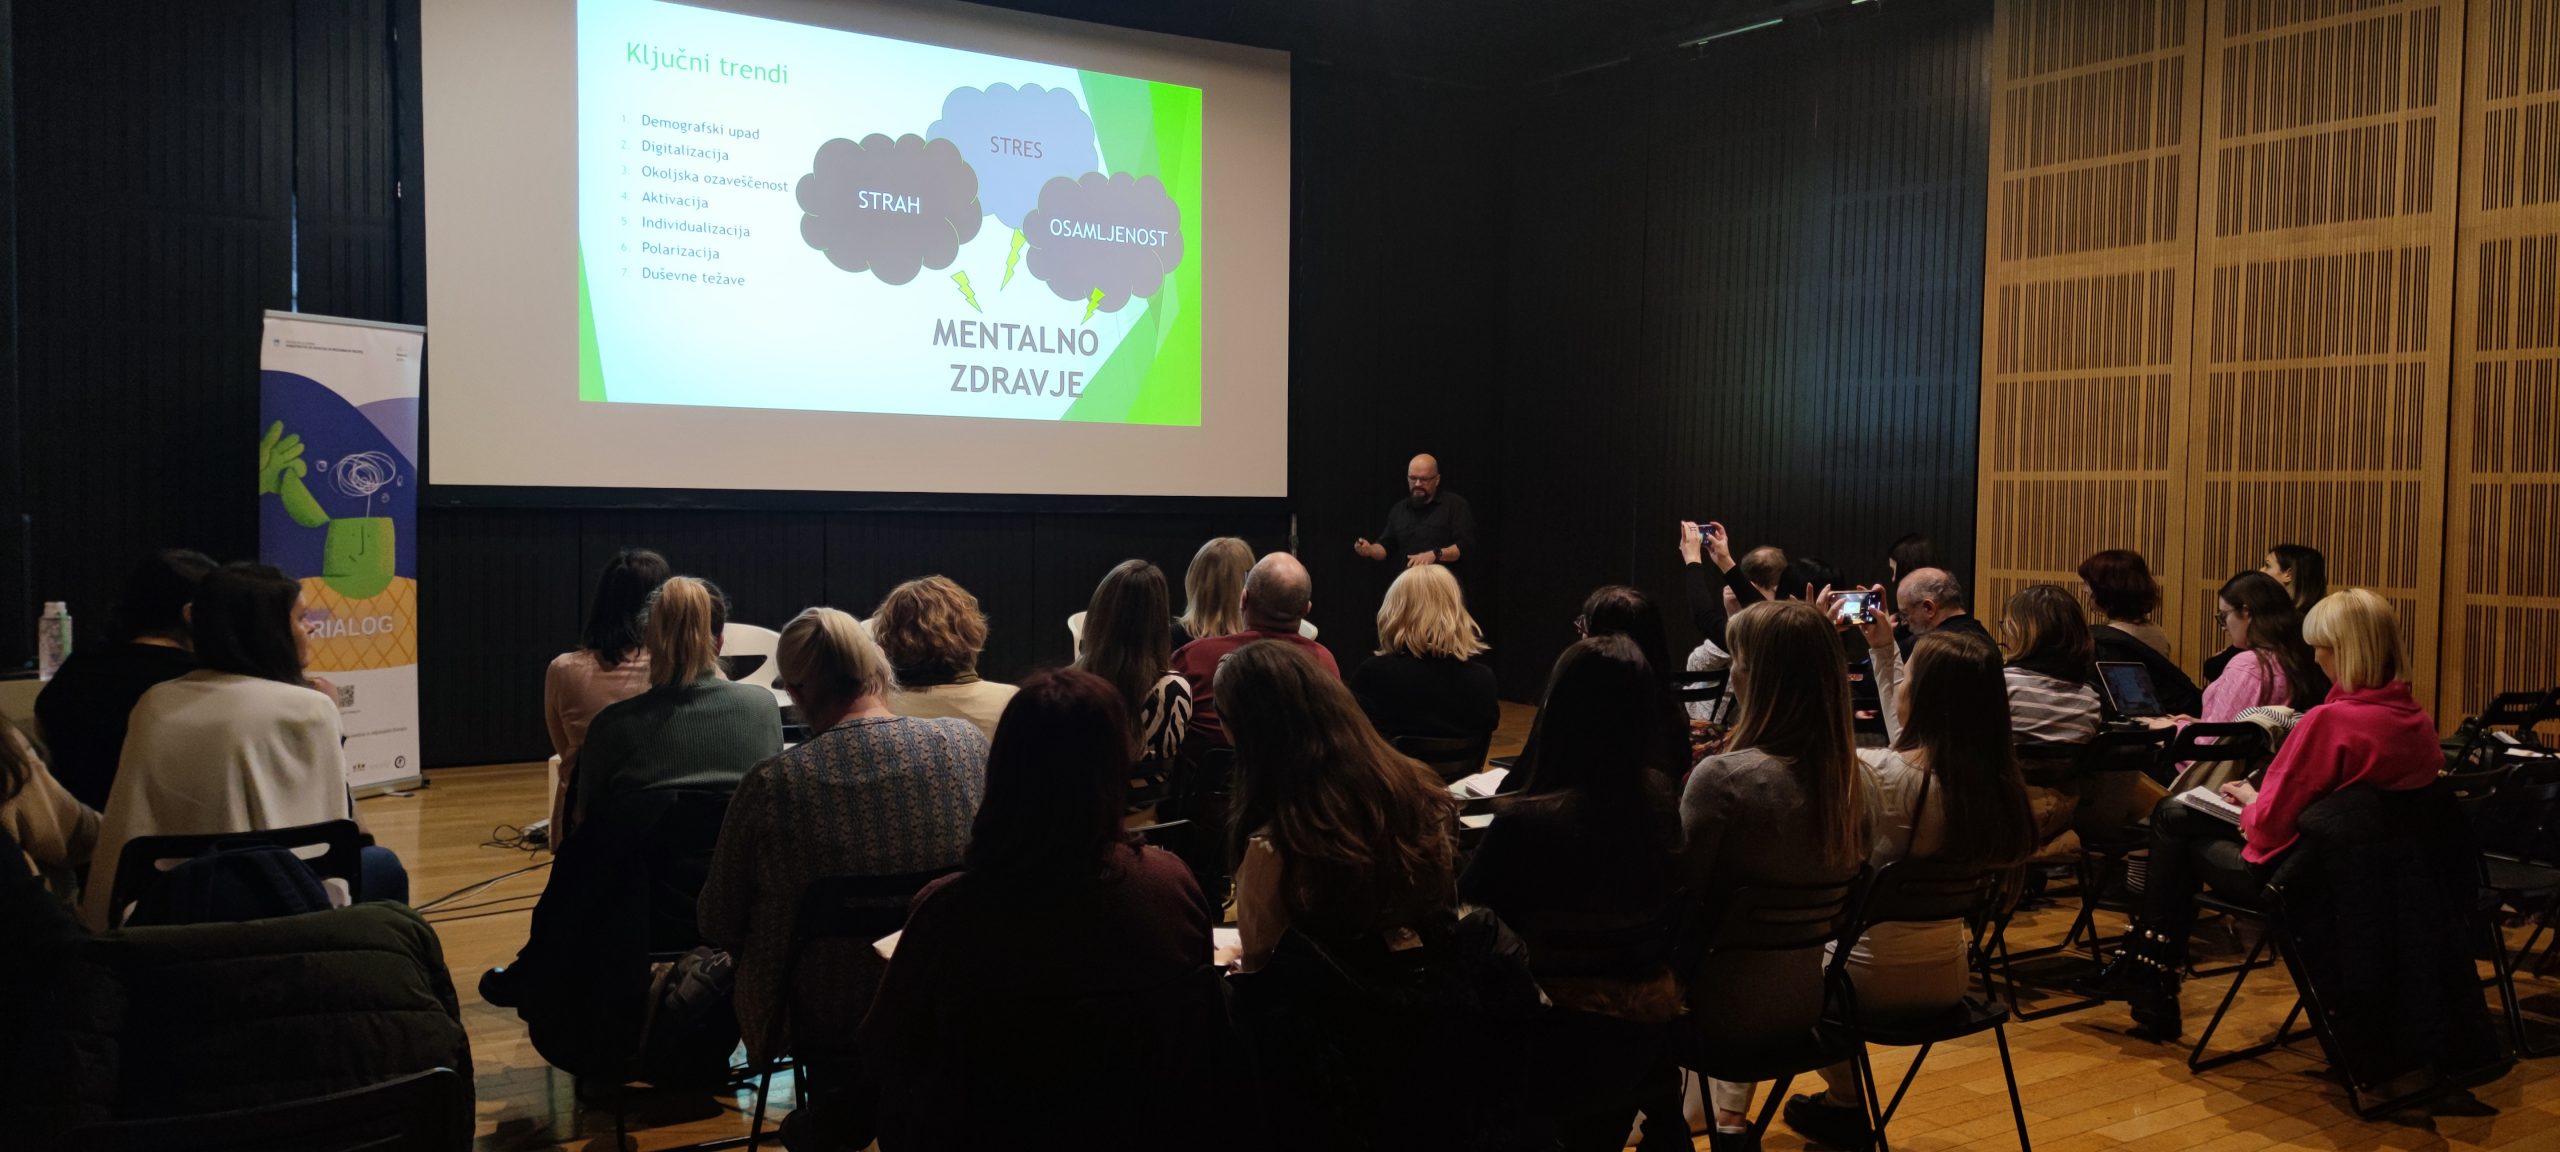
(1153, 375)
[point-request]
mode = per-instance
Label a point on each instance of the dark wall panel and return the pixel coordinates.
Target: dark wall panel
(1757, 298)
(1573, 354)
(154, 228)
(499, 594)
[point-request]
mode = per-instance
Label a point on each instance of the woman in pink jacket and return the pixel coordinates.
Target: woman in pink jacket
(2370, 730)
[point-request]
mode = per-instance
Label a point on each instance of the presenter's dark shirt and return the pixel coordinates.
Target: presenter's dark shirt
(85, 706)
(1428, 527)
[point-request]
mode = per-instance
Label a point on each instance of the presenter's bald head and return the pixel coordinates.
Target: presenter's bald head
(1277, 593)
(1422, 477)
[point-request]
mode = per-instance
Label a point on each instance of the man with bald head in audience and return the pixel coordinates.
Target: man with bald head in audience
(1932, 600)
(1428, 526)
(1277, 595)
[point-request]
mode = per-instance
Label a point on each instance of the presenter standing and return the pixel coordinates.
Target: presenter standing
(1428, 526)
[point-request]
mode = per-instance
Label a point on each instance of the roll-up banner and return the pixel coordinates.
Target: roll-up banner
(338, 511)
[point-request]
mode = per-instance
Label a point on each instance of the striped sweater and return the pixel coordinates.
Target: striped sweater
(2050, 711)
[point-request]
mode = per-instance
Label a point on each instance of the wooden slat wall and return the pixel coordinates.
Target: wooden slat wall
(2502, 591)
(2089, 279)
(2324, 260)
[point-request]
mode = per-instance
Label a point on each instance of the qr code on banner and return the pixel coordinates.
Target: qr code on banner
(346, 695)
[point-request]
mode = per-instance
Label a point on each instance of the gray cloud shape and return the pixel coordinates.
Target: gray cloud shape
(997, 128)
(889, 207)
(1120, 234)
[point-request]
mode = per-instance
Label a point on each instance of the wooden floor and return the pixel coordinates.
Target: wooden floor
(2086, 1084)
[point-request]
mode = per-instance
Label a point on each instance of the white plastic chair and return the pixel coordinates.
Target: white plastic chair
(751, 640)
(1075, 631)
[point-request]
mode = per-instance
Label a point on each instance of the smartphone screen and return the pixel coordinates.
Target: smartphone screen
(1857, 607)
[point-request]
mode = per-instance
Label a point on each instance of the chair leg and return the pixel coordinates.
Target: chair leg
(2009, 1072)
(1909, 1074)
(1867, 1087)
(2196, 1060)
(764, 1088)
(2504, 968)
(1768, 1112)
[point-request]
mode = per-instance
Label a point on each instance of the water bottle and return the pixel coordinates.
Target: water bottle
(53, 639)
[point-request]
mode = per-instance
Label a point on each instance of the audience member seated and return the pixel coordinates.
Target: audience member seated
(1624, 610)
(53, 830)
(2117, 583)
(1213, 591)
(84, 708)
(693, 728)
(242, 744)
(1374, 1016)
(1909, 554)
(2051, 699)
(1758, 576)
(1947, 790)
(1785, 803)
(1584, 865)
(932, 631)
(2270, 666)
(872, 793)
(2370, 730)
(2303, 572)
(1063, 965)
(1276, 595)
(653, 788)
(1929, 599)
(609, 665)
(1127, 642)
(1424, 680)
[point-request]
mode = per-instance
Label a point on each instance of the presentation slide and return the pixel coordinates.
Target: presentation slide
(876, 225)
(863, 246)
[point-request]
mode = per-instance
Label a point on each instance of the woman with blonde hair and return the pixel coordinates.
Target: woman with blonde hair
(871, 793)
(1785, 803)
(2370, 730)
(693, 728)
(1424, 680)
(1213, 591)
(932, 631)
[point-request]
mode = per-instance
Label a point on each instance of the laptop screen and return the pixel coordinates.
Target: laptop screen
(2129, 689)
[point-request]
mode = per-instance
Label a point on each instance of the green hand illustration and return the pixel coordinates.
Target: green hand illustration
(357, 558)
(280, 473)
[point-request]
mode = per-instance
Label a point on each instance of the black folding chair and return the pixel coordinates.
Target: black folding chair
(426, 1111)
(1453, 757)
(2510, 720)
(1768, 918)
(1201, 790)
(333, 848)
(2519, 866)
(1927, 892)
(2503, 883)
(857, 909)
(1706, 688)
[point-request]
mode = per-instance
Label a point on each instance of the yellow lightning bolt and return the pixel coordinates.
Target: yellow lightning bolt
(1091, 304)
(966, 292)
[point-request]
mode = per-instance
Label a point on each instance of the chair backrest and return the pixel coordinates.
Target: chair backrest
(426, 1111)
(737, 640)
(1701, 687)
(1778, 917)
(333, 848)
(1928, 891)
(1307, 628)
(1453, 757)
(1075, 632)
(1171, 835)
(860, 908)
(2238, 740)
(2519, 817)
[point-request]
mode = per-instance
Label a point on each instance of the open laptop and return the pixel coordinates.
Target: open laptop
(2129, 689)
